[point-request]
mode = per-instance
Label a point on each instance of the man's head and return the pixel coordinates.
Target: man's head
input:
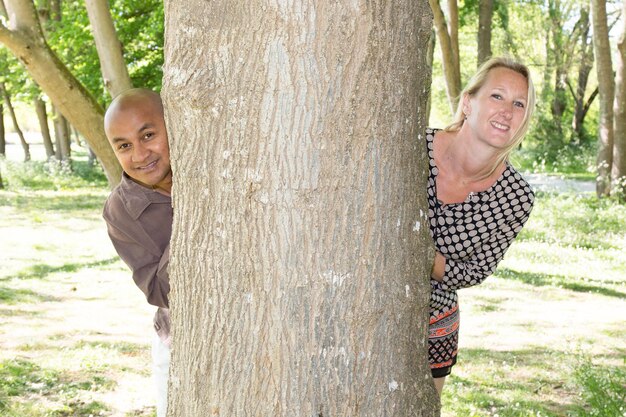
(135, 126)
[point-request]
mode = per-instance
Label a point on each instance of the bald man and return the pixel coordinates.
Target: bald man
(139, 212)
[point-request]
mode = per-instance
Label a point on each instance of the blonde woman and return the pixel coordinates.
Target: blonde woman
(478, 202)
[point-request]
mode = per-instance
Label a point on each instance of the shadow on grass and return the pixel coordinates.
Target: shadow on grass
(23, 383)
(40, 271)
(10, 296)
(514, 383)
(41, 202)
(541, 280)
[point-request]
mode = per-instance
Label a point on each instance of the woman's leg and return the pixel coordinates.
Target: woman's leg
(439, 384)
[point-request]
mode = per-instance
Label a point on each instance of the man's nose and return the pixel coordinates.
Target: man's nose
(140, 153)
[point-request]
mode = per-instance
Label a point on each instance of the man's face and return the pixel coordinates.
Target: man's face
(136, 131)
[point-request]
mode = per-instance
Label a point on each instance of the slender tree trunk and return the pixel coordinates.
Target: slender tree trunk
(619, 113)
(3, 143)
(485, 17)
(114, 71)
(449, 52)
(16, 126)
(606, 88)
(42, 115)
(300, 169)
(1, 182)
(61, 134)
(23, 36)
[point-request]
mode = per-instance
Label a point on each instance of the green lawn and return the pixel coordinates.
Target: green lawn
(543, 337)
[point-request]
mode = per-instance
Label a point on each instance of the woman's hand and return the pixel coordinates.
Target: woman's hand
(439, 267)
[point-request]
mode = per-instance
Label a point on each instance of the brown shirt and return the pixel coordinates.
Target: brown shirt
(139, 222)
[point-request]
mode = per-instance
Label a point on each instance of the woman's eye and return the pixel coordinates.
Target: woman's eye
(496, 96)
(519, 104)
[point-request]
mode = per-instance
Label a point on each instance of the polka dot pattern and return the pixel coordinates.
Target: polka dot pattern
(472, 235)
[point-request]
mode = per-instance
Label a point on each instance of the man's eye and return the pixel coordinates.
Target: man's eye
(123, 146)
(148, 135)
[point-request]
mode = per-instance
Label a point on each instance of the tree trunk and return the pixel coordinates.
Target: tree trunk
(449, 52)
(606, 88)
(63, 152)
(430, 57)
(619, 107)
(26, 41)
(114, 71)
(485, 17)
(3, 143)
(16, 126)
(584, 70)
(42, 115)
(300, 171)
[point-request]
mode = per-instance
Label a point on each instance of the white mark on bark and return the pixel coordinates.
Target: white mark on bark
(248, 297)
(393, 385)
(398, 224)
(226, 154)
(407, 289)
(335, 278)
(417, 226)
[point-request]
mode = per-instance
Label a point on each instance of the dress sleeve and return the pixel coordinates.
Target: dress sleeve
(484, 260)
(149, 270)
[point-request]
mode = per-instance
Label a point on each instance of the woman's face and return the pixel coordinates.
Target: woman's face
(497, 109)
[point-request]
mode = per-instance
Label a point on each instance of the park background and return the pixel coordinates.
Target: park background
(543, 337)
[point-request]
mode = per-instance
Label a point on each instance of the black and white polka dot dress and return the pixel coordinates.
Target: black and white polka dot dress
(473, 237)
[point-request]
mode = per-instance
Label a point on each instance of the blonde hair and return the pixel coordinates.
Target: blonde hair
(476, 83)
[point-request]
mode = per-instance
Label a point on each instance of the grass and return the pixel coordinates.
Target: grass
(543, 337)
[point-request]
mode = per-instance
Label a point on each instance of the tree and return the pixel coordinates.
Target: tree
(114, 71)
(606, 87)
(485, 16)
(585, 65)
(449, 43)
(619, 114)
(300, 169)
(42, 116)
(23, 36)
(7, 101)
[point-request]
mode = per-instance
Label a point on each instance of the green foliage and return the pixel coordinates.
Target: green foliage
(66, 397)
(51, 175)
(139, 26)
(603, 390)
(589, 222)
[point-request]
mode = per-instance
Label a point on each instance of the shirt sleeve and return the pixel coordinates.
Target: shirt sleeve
(484, 260)
(149, 270)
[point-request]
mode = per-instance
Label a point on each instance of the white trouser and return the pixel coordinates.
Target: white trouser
(160, 370)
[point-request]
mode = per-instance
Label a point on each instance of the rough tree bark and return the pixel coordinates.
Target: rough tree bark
(485, 17)
(114, 71)
(24, 38)
(606, 87)
(618, 172)
(42, 115)
(449, 44)
(16, 126)
(300, 250)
